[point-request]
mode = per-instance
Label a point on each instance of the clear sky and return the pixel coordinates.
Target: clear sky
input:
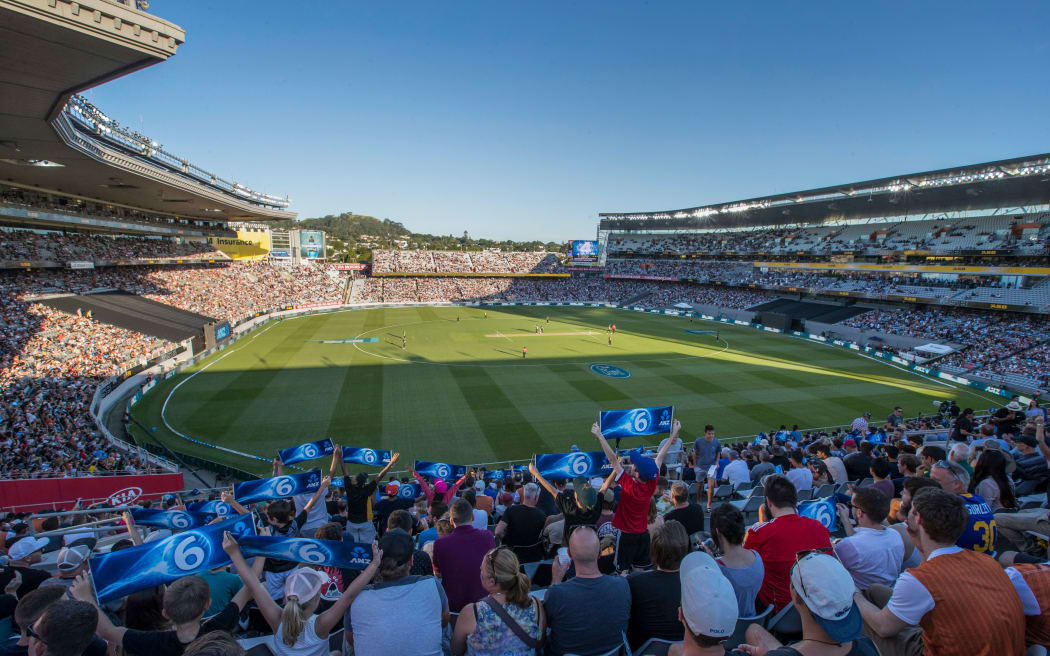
(524, 120)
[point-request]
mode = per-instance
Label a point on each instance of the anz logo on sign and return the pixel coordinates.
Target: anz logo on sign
(610, 371)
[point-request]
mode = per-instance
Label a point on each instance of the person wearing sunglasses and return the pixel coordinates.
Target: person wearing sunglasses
(822, 592)
(963, 601)
(66, 628)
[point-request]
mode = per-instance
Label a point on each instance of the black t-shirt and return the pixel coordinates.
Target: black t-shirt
(546, 503)
(962, 423)
(691, 518)
(357, 502)
(574, 515)
(858, 466)
(422, 565)
(166, 643)
(1012, 422)
(31, 578)
(655, 597)
(386, 506)
(524, 525)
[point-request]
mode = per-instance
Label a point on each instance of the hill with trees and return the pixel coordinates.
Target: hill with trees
(353, 236)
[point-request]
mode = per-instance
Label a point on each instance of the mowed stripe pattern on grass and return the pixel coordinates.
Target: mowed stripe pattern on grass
(457, 396)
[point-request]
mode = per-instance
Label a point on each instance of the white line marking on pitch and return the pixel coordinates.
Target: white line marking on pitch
(585, 332)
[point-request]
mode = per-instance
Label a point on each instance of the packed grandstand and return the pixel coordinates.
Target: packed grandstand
(709, 537)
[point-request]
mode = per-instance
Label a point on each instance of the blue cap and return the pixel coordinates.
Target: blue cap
(646, 466)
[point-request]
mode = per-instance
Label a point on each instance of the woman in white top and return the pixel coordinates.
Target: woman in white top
(297, 631)
(990, 481)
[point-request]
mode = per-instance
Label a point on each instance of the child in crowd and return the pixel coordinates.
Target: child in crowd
(297, 630)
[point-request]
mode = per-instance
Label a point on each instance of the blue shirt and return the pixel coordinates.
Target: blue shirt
(979, 535)
(428, 535)
(722, 462)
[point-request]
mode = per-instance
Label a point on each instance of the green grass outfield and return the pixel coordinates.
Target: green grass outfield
(461, 392)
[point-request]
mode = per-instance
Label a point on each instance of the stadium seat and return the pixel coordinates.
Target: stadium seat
(722, 493)
(824, 491)
(741, 627)
(655, 647)
(542, 575)
(867, 482)
(750, 509)
(786, 625)
(805, 495)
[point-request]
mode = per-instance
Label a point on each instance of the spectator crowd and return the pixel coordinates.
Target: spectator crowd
(52, 362)
(714, 548)
(482, 261)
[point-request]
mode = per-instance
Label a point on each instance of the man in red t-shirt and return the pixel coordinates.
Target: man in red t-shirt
(780, 540)
(636, 489)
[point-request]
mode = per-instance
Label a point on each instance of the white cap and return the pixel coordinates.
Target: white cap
(26, 546)
(72, 557)
(159, 534)
(304, 583)
(596, 482)
(827, 589)
(479, 485)
(709, 603)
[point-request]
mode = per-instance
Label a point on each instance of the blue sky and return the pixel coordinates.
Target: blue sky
(524, 120)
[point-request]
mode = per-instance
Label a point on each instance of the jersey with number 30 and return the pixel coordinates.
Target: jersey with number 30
(979, 535)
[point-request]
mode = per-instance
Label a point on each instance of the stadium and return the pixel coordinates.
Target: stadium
(179, 348)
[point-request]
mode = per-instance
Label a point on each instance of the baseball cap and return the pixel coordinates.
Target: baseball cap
(709, 603)
(867, 414)
(397, 545)
(574, 448)
(479, 485)
(26, 546)
(827, 589)
(304, 583)
(646, 466)
(440, 486)
(849, 443)
(586, 495)
(391, 489)
(159, 534)
(72, 557)
(1013, 405)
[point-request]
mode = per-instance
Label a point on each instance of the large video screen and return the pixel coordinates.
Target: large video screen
(311, 242)
(583, 251)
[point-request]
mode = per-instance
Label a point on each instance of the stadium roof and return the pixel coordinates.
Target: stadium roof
(53, 49)
(1008, 183)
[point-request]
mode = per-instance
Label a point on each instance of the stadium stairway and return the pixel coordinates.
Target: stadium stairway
(355, 289)
(637, 297)
(134, 312)
(822, 312)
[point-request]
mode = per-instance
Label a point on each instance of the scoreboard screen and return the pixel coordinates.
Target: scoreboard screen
(583, 251)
